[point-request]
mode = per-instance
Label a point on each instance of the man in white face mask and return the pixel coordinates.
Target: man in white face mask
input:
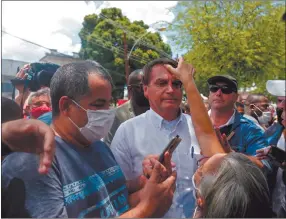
(84, 179)
(257, 109)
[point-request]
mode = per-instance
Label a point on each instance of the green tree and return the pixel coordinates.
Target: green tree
(102, 41)
(245, 39)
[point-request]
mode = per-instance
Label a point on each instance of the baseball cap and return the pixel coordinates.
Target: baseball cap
(229, 80)
(276, 87)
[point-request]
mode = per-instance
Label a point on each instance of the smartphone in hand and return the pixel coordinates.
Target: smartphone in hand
(173, 144)
(277, 154)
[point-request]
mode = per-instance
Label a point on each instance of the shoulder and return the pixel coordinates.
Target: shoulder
(24, 166)
(141, 119)
(124, 111)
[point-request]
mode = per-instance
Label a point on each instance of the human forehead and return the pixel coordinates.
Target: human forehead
(99, 87)
(160, 72)
(264, 100)
(44, 97)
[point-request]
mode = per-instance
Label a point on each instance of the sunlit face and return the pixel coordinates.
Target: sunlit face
(99, 98)
(163, 91)
(261, 106)
(43, 100)
(221, 101)
(210, 166)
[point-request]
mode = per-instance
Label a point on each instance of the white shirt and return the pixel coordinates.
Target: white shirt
(148, 134)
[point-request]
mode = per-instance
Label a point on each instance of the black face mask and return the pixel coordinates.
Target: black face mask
(140, 99)
(279, 112)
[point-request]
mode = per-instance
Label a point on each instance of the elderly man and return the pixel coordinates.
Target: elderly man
(150, 132)
(84, 179)
(39, 103)
(137, 104)
(243, 135)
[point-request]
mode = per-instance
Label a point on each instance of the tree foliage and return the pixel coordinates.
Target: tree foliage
(102, 41)
(245, 39)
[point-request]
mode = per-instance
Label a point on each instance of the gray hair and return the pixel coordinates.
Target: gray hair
(72, 80)
(42, 92)
(238, 189)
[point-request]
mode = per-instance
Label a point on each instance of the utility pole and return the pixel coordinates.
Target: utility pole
(126, 57)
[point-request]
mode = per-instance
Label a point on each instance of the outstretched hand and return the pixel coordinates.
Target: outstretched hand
(184, 72)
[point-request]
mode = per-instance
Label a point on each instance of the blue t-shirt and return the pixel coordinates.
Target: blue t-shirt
(46, 118)
(82, 182)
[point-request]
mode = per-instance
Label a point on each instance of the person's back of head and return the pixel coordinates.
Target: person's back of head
(10, 110)
(238, 189)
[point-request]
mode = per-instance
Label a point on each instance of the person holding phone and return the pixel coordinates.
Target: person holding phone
(150, 132)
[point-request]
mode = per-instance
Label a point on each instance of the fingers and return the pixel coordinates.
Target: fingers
(171, 181)
(157, 172)
(147, 165)
(171, 69)
(48, 147)
(167, 162)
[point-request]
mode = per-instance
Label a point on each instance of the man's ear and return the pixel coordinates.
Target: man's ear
(251, 106)
(64, 105)
(200, 202)
(145, 90)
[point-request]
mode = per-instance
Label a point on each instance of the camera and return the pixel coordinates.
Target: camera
(39, 74)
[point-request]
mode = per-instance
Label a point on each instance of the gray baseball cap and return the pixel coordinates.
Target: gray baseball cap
(229, 80)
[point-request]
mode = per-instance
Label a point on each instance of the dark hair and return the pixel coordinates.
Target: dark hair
(10, 110)
(253, 98)
(72, 80)
(149, 66)
(238, 189)
(134, 75)
(284, 17)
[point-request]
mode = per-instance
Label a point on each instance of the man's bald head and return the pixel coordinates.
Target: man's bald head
(254, 98)
(135, 77)
(255, 104)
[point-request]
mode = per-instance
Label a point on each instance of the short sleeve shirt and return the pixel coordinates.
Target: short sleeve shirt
(82, 182)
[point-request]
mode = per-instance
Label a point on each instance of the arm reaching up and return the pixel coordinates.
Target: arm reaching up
(205, 133)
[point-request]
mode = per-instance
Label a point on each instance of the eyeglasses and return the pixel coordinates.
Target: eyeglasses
(224, 89)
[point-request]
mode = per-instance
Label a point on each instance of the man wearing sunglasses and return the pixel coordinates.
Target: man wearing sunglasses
(243, 135)
(150, 132)
(137, 104)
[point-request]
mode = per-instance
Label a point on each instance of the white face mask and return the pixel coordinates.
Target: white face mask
(265, 118)
(98, 125)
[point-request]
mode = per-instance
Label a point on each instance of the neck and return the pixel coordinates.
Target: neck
(67, 132)
(219, 117)
(169, 115)
(138, 110)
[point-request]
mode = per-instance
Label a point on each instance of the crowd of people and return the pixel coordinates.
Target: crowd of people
(67, 153)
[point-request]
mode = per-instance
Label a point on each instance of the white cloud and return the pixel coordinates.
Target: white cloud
(56, 24)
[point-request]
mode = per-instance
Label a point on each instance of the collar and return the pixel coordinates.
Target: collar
(159, 121)
(229, 122)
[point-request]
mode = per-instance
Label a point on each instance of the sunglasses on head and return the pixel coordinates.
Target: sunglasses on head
(224, 89)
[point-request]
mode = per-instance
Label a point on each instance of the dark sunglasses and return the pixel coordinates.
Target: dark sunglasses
(224, 89)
